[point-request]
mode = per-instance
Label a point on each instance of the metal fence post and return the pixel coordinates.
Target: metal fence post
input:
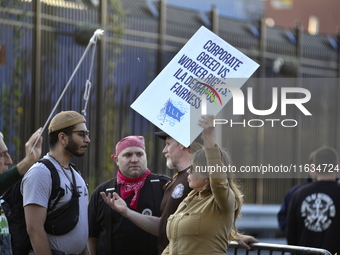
(338, 90)
(214, 20)
(101, 74)
(160, 64)
(298, 54)
(36, 77)
(262, 91)
(161, 34)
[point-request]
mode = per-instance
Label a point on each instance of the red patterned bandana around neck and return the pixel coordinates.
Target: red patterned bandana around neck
(130, 186)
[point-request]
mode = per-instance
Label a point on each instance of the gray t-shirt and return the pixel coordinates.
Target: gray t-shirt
(36, 188)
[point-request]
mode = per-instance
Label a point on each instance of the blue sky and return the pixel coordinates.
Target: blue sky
(242, 9)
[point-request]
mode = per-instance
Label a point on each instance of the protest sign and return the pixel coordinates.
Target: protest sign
(188, 85)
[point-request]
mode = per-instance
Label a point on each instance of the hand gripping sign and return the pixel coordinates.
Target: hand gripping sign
(190, 81)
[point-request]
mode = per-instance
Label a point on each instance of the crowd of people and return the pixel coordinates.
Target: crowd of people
(140, 212)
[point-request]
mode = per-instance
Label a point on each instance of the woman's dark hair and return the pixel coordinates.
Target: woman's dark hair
(53, 137)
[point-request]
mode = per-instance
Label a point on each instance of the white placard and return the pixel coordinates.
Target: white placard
(188, 85)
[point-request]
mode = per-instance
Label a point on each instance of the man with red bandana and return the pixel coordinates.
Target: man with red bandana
(109, 231)
(177, 157)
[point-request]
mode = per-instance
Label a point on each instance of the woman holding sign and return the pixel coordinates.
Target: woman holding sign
(204, 222)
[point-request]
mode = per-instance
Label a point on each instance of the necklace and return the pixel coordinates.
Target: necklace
(63, 169)
(67, 168)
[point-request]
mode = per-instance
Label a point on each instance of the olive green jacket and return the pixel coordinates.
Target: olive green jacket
(202, 224)
(9, 178)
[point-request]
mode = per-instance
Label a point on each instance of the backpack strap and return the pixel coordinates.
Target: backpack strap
(108, 222)
(75, 168)
(57, 192)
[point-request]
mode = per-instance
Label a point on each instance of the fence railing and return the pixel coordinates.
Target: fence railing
(269, 248)
(39, 48)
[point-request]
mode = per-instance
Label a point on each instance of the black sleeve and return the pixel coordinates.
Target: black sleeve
(164, 179)
(9, 178)
(96, 212)
(282, 214)
(292, 234)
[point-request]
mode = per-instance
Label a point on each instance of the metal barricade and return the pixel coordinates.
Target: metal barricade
(272, 249)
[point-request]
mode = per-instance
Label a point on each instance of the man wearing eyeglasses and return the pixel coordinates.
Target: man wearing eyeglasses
(11, 176)
(68, 137)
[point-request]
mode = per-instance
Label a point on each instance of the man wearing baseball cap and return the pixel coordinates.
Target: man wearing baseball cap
(68, 137)
(142, 191)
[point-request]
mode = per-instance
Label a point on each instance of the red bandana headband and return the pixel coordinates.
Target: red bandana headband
(129, 141)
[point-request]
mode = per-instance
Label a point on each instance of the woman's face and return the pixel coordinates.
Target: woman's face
(196, 180)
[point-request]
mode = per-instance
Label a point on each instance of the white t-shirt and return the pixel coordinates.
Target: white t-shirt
(36, 188)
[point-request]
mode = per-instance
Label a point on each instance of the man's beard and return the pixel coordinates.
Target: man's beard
(73, 147)
(169, 163)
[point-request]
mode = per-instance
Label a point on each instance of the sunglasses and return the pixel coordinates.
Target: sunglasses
(84, 133)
